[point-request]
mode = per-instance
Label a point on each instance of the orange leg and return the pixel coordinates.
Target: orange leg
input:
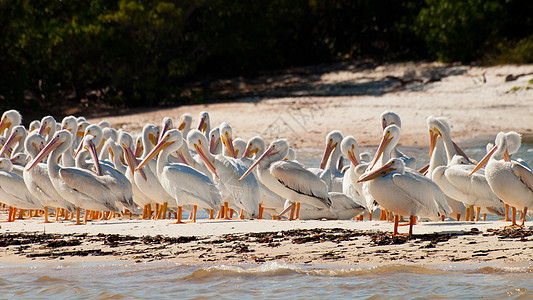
(241, 215)
(226, 211)
(396, 221)
(524, 216)
(478, 211)
(46, 214)
(178, 215)
(507, 213)
(383, 215)
(211, 214)
(369, 216)
(291, 215)
(260, 211)
(442, 217)
(412, 221)
(458, 217)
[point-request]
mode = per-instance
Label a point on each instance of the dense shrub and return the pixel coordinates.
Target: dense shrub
(141, 53)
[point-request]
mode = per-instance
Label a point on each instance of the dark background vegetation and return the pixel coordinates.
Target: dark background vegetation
(71, 53)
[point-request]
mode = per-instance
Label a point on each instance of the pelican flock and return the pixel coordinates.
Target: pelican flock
(62, 169)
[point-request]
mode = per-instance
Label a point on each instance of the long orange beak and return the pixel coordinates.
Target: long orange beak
(460, 151)
(11, 141)
(202, 126)
(484, 160)
(94, 156)
(4, 125)
(228, 141)
(384, 142)
(384, 170)
(181, 157)
(158, 148)
(182, 125)
(207, 162)
(352, 158)
(213, 144)
(432, 142)
(166, 127)
(53, 144)
(506, 156)
(268, 152)
(132, 161)
(327, 153)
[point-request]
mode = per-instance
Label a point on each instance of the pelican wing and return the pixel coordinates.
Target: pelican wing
(300, 180)
(89, 185)
(188, 184)
(523, 174)
(14, 185)
(475, 186)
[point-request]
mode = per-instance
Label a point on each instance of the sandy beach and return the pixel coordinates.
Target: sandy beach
(258, 241)
(303, 106)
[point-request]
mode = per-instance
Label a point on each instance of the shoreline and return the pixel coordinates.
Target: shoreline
(207, 243)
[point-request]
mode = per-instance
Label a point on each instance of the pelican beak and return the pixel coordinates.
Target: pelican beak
(79, 149)
(228, 141)
(102, 142)
(138, 150)
(213, 144)
(384, 142)
(268, 152)
(153, 139)
(53, 144)
(13, 138)
(352, 158)
(248, 151)
(132, 161)
(182, 125)
(484, 160)
(4, 125)
(42, 129)
(506, 156)
(460, 151)
(327, 153)
(64, 126)
(432, 142)
(158, 148)
(202, 126)
(166, 127)
(80, 131)
(384, 170)
(203, 156)
(94, 155)
(181, 157)
(424, 169)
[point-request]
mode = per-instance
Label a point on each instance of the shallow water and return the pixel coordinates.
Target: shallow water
(166, 280)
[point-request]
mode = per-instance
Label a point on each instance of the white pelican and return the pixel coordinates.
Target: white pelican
(18, 136)
(204, 124)
(13, 191)
(48, 127)
(149, 183)
(38, 182)
(114, 179)
(226, 172)
(126, 141)
(215, 147)
(187, 185)
(34, 125)
(453, 178)
(165, 126)
(271, 202)
(185, 124)
(510, 181)
(389, 118)
(405, 193)
(70, 123)
(343, 207)
(332, 152)
(350, 186)
(80, 187)
(289, 179)
(10, 118)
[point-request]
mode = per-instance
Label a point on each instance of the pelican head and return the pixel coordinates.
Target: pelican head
(227, 139)
(185, 122)
(48, 124)
(165, 126)
(333, 139)
(61, 140)
(350, 149)
(503, 143)
(171, 137)
(388, 118)
(391, 136)
(6, 164)
(10, 118)
(393, 165)
(198, 142)
(256, 146)
(17, 134)
(89, 144)
(203, 124)
(277, 150)
(20, 159)
(34, 143)
(104, 124)
(70, 123)
(34, 125)
(214, 140)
